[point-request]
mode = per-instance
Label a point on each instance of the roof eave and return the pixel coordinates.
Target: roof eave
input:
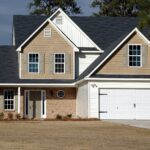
(133, 31)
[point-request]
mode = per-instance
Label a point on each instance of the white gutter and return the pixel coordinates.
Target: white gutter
(38, 85)
(112, 79)
(117, 79)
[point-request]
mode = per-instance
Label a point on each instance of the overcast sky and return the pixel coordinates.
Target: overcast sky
(8, 8)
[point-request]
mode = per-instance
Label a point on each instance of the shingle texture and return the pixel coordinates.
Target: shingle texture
(8, 64)
(24, 26)
(102, 30)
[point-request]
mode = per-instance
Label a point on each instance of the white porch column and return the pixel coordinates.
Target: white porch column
(19, 89)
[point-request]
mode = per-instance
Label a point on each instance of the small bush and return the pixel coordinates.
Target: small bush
(10, 116)
(18, 116)
(69, 116)
(1, 116)
(59, 117)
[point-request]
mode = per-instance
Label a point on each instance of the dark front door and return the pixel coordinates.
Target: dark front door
(34, 104)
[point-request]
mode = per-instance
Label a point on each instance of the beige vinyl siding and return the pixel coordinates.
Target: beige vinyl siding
(47, 47)
(118, 63)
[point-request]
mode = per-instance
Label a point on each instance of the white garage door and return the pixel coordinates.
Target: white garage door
(124, 104)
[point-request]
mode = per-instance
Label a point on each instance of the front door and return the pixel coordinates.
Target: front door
(34, 104)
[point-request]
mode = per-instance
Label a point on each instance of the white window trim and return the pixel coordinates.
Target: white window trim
(35, 63)
(135, 55)
(58, 18)
(9, 99)
(59, 63)
(47, 30)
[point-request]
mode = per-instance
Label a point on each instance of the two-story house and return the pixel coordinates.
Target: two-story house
(86, 66)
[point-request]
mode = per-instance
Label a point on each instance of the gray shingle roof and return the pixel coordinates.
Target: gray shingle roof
(106, 32)
(24, 26)
(102, 30)
(8, 64)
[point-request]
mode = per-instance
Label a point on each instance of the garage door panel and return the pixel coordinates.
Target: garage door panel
(142, 104)
(124, 104)
(104, 107)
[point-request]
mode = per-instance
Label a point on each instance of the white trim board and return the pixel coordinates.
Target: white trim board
(37, 85)
(19, 99)
(118, 79)
(109, 55)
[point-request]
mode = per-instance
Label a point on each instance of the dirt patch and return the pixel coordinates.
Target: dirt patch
(72, 135)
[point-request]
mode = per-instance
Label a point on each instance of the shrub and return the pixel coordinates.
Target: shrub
(69, 116)
(18, 116)
(10, 116)
(59, 117)
(1, 116)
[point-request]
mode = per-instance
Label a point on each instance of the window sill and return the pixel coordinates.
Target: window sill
(7, 110)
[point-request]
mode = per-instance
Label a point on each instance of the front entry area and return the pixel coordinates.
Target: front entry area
(124, 104)
(35, 104)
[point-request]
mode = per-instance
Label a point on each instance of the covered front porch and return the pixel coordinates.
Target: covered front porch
(39, 103)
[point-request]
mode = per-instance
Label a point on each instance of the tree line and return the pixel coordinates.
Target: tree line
(121, 8)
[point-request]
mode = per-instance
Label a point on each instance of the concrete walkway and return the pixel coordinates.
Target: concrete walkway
(134, 123)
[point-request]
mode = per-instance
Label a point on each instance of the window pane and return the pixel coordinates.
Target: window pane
(33, 67)
(59, 63)
(130, 47)
(138, 64)
(130, 58)
(139, 59)
(134, 59)
(138, 47)
(134, 55)
(130, 52)
(134, 64)
(134, 47)
(138, 52)
(133, 52)
(33, 62)
(9, 99)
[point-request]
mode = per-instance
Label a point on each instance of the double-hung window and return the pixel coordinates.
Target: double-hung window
(33, 64)
(9, 100)
(135, 56)
(59, 63)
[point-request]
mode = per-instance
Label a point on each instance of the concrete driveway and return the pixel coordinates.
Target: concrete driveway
(134, 123)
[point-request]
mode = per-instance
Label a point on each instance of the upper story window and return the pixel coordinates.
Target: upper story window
(135, 56)
(9, 100)
(59, 20)
(33, 63)
(59, 63)
(47, 32)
